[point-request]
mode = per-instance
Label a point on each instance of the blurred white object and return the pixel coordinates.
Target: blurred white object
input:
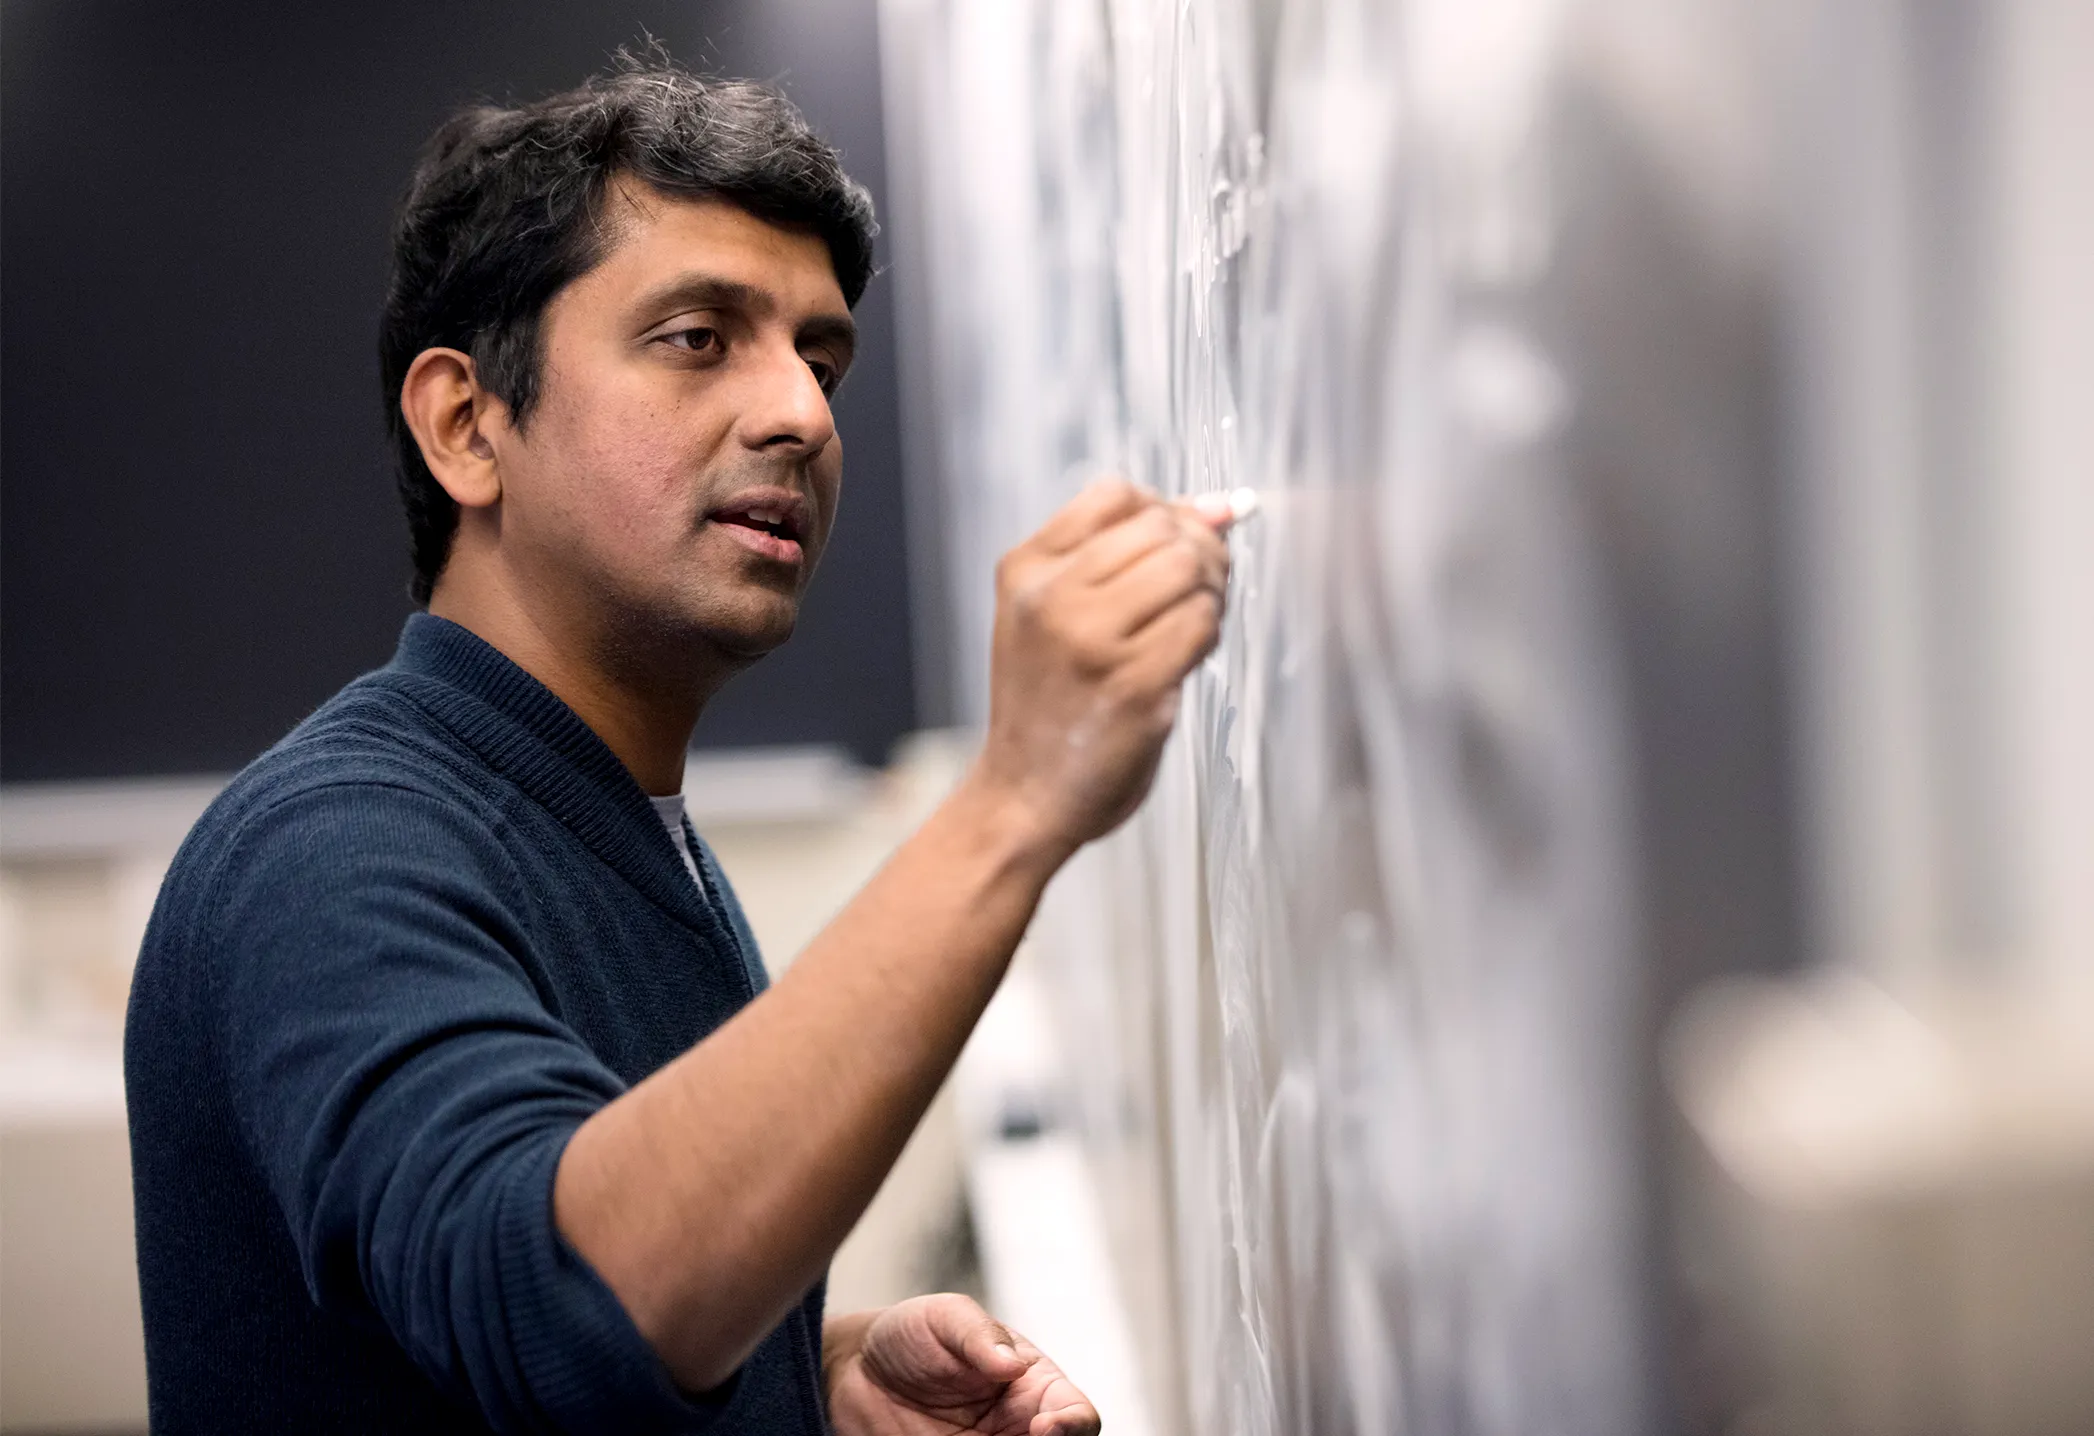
(72, 1347)
(1047, 1264)
(1897, 1204)
(80, 866)
(808, 783)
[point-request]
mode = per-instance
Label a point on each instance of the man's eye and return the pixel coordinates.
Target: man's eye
(824, 375)
(697, 341)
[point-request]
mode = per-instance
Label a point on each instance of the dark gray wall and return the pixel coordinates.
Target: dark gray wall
(852, 654)
(198, 535)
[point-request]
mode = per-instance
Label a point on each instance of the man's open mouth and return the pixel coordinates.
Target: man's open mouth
(771, 523)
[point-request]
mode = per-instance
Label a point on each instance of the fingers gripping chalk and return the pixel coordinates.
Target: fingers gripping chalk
(1229, 509)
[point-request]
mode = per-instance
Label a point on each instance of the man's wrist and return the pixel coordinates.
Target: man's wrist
(997, 821)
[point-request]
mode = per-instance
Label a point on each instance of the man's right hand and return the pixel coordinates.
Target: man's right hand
(1099, 617)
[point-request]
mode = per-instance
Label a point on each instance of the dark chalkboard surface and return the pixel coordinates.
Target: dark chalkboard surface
(199, 540)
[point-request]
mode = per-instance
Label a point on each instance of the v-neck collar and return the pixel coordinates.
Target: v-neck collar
(522, 730)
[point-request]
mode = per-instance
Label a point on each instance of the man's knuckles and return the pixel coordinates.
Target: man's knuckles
(1101, 504)
(1020, 573)
(1185, 567)
(1159, 525)
(1213, 555)
(1203, 623)
(1110, 494)
(1144, 535)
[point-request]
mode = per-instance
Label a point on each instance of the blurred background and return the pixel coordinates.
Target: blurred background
(1611, 948)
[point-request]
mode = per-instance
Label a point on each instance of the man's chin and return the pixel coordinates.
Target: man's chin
(745, 649)
(747, 637)
(736, 624)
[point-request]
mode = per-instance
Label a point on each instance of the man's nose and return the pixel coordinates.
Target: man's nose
(787, 409)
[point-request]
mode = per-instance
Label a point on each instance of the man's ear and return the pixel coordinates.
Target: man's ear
(448, 412)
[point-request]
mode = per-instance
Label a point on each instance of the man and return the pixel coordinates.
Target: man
(458, 1101)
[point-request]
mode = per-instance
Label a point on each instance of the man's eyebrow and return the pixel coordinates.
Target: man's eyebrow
(709, 291)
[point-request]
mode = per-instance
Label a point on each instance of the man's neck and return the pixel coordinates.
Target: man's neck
(644, 717)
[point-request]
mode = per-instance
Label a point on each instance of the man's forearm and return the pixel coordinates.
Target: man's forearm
(711, 1195)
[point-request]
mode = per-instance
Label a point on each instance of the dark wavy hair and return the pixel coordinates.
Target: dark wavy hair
(503, 212)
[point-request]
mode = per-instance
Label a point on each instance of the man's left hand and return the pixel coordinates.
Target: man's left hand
(941, 1366)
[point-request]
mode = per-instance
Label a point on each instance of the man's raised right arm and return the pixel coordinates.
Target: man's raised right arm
(712, 1195)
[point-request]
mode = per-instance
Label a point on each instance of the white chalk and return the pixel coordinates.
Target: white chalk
(1242, 504)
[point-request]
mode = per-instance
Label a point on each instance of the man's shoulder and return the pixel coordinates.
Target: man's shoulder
(367, 749)
(362, 806)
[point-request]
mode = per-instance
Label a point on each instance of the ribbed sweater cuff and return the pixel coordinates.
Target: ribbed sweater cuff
(581, 1356)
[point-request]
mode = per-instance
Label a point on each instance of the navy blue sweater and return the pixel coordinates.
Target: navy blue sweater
(404, 955)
